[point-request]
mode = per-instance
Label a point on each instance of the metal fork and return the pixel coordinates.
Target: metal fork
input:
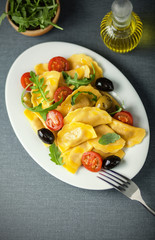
(124, 185)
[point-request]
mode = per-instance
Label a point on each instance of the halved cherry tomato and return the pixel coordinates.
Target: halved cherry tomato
(124, 117)
(25, 80)
(58, 64)
(54, 120)
(92, 161)
(62, 92)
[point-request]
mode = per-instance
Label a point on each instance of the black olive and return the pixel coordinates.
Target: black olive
(46, 135)
(110, 162)
(104, 84)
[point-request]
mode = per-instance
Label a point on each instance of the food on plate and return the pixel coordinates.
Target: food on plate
(83, 100)
(34, 120)
(104, 84)
(25, 81)
(72, 157)
(73, 113)
(73, 134)
(132, 135)
(111, 162)
(92, 161)
(78, 60)
(89, 115)
(120, 153)
(124, 116)
(46, 85)
(46, 135)
(27, 99)
(54, 120)
(62, 92)
(110, 146)
(58, 64)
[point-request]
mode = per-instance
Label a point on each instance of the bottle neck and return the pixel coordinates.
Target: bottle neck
(121, 13)
(121, 22)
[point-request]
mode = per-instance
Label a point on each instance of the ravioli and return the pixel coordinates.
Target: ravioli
(78, 60)
(84, 124)
(109, 148)
(120, 153)
(34, 120)
(51, 80)
(83, 71)
(89, 115)
(41, 68)
(83, 100)
(132, 135)
(74, 134)
(72, 157)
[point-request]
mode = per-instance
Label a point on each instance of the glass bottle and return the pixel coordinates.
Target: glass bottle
(121, 29)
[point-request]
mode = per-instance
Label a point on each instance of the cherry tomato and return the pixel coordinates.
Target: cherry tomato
(25, 80)
(58, 64)
(92, 161)
(62, 92)
(124, 117)
(54, 120)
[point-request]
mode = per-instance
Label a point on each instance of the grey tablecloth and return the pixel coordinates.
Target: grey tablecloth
(34, 204)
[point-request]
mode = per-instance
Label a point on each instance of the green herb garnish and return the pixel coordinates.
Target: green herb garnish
(2, 17)
(39, 87)
(79, 92)
(118, 109)
(55, 154)
(32, 15)
(78, 82)
(109, 138)
(39, 109)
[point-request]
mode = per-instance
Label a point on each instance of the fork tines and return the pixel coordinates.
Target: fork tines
(115, 179)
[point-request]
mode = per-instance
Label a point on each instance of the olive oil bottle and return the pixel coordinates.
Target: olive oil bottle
(121, 29)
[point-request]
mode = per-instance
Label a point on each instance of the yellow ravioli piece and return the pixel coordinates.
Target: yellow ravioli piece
(83, 71)
(109, 148)
(74, 134)
(72, 157)
(120, 153)
(41, 68)
(89, 115)
(132, 135)
(34, 120)
(83, 100)
(51, 80)
(78, 60)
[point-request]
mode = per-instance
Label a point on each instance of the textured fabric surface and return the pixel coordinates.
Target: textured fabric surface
(34, 204)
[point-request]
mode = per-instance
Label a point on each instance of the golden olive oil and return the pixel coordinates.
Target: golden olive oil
(121, 29)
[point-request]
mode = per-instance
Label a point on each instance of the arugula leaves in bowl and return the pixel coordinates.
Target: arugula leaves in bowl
(32, 17)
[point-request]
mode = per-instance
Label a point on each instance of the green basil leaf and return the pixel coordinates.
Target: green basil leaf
(55, 154)
(109, 138)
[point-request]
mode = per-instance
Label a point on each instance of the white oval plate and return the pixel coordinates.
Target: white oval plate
(42, 53)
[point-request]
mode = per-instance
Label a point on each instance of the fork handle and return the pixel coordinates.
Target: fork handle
(146, 206)
(138, 197)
